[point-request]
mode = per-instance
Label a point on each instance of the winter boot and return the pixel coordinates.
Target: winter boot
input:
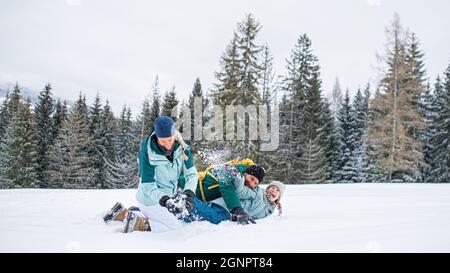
(116, 213)
(135, 221)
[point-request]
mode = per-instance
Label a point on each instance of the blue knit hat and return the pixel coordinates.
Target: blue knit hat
(164, 127)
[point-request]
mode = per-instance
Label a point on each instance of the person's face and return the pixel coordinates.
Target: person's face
(251, 181)
(273, 193)
(166, 142)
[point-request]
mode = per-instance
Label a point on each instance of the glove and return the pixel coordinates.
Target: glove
(188, 197)
(180, 204)
(171, 204)
(239, 215)
(239, 181)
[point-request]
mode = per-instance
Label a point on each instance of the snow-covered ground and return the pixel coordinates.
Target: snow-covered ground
(316, 218)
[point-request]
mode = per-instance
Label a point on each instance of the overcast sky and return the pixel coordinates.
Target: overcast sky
(118, 47)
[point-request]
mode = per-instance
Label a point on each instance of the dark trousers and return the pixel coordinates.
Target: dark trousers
(210, 212)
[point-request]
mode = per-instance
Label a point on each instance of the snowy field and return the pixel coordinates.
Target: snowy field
(316, 218)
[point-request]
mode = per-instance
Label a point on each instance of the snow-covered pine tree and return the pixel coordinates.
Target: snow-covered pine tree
(397, 115)
(239, 79)
(11, 104)
(346, 143)
(4, 116)
(150, 111)
(155, 107)
(360, 109)
(44, 137)
(269, 87)
(267, 79)
(283, 167)
(376, 174)
(107, 139)
(20, 150)
(331, 143)
(170, 103)
(336, 99)
(228, 75)
(416, 66)
(198, 122)
(440, 140)
(96, 145)
(122, 172)
(58, 118)
(313, 138)
(144, 122)
(312, 165)
(14, 100)
(70, 164)
(296, 83)
(124, 137)
(428, 109)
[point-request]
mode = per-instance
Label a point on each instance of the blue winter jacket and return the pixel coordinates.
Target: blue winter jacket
(158, 176)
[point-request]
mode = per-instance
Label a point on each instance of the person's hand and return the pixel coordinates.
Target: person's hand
(171, 204)
(239, 215)
(239, 180)
(188, 197)
(181, 204)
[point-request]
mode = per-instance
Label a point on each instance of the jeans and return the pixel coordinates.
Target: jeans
(210, 212)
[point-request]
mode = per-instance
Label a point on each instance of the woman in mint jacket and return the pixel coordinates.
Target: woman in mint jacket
(163, 158)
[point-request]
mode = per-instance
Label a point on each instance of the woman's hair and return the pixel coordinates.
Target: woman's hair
(280, 210)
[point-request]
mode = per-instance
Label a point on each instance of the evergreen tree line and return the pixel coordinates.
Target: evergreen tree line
(400, 133)
(52, 145)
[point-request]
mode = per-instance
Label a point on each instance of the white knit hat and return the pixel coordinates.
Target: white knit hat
(279, 185)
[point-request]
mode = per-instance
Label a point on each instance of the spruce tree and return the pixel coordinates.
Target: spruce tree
(170, 104)
(360, 111)
(346, 143)
(44, 138)
(296, 83)
(228, 76)
(239, 80)
(331, 143)
(428, 109)
(122, 171)
(14, 100)
(197, 122)
(268, 76)
(96, 145)
(20, 150)
(70, 164)
(108, 126)
(4, 116)
(336, 98)
(59, 116)
(440, 141)
(144, 125)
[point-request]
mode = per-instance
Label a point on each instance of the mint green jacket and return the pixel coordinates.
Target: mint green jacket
(158, 176)
(253, 201)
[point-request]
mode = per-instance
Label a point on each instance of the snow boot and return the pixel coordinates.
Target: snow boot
(116, 213)
(135, 221)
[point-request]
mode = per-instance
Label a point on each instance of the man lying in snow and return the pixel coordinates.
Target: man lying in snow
(258, 202)
(219, 181)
